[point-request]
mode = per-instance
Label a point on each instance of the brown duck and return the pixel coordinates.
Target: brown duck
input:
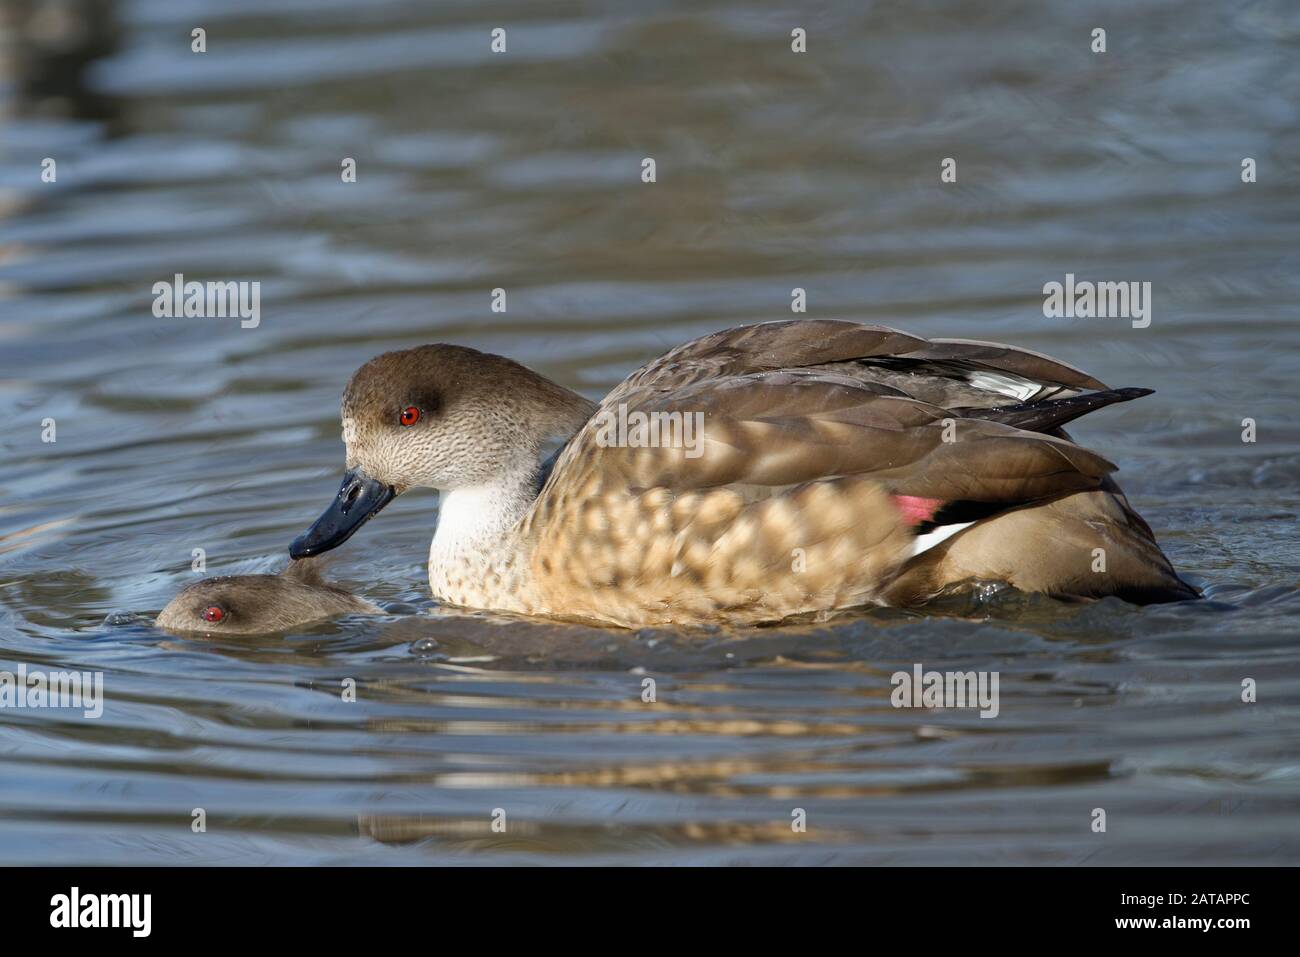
(260, 604)
(788, 468)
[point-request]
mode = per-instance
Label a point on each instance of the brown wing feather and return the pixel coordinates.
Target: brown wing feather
(801, 343)
(1023, 362)
(791, 426)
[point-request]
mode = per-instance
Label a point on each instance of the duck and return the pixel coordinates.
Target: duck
(260, 604)
(788, 469)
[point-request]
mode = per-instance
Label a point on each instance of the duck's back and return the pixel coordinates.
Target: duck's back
(809, 465)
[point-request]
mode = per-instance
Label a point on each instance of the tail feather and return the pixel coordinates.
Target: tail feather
(1048, 414)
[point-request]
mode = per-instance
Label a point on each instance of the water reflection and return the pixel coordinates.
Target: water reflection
(50, 47)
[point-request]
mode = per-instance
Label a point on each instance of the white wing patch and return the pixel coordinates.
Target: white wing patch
(1004, 383)
(931, 539)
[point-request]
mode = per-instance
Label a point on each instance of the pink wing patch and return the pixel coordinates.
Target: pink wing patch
(916, 510)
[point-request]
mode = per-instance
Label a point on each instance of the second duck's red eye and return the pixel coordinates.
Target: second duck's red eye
(213, 613)
(410, 415)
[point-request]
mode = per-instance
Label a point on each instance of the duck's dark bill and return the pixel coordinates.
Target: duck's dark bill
(359, 497)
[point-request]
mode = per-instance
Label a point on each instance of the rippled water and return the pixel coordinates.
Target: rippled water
(522, 171)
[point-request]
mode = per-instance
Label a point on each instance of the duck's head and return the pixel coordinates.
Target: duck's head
(230, 605)
(437, 416)
(259, 604)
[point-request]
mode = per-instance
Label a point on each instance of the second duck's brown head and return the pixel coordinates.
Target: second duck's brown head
(437, 416)
(260, 604)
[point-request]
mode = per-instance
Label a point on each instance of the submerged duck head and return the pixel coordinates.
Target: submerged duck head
(438, 416)
(259, 604)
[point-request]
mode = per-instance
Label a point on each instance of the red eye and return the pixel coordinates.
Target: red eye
(410, 415)
(213, 613)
